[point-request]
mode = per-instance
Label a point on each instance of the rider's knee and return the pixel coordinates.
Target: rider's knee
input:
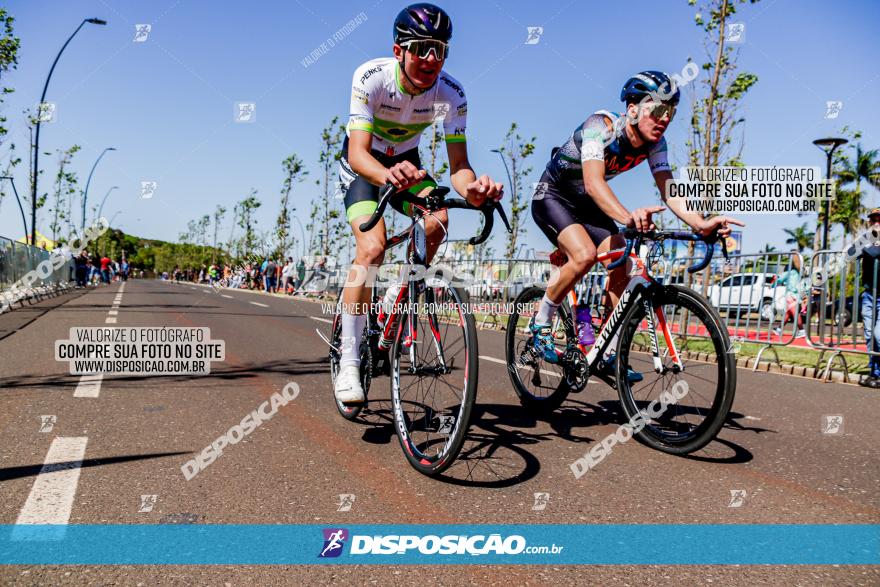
(582, 260)
(371, 252)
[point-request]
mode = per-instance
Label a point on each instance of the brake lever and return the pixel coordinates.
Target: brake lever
(497, 206)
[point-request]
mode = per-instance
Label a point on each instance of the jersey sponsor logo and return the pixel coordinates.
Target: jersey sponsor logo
(389, 107)
(458, 131)
(398, 132)
(360, 95)
(462, 109)
(422, 110)
(454, 86)
(620, 163)
(370, 72)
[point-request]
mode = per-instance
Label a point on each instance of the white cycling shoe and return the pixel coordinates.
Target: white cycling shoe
(348, 388)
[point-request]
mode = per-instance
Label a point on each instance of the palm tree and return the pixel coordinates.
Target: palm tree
(800, 237)
(866, 167)
(847, 209)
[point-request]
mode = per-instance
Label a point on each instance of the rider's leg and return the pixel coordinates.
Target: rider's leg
(618, 278)
(575, 242)
(436, 227)
(369, 253)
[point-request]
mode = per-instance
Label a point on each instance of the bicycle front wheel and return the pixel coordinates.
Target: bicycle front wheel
(706, 380)
(434, 375)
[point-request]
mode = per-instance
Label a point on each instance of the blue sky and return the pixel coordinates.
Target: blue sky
(167, 104)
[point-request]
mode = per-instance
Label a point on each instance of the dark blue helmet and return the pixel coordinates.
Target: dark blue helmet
(656, 84)
(422, 21)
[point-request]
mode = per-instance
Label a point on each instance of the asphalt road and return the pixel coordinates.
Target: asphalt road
(292, 469)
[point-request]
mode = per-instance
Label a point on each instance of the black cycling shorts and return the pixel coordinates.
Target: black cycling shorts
(554, 210)
(361, 197)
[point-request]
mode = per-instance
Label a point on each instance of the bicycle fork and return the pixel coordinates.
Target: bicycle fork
(650, 313)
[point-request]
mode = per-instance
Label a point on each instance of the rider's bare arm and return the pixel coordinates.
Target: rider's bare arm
(465, 181)
(600, 191)
(702, 225)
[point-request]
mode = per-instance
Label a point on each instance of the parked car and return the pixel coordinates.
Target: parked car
(834, 310)
(747, 292)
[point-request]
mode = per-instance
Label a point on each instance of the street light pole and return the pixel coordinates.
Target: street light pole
(503, 160)
(88, 181)
(101, 208)
(302, 234)
(20, 207)
(828, 145)
(36, 156)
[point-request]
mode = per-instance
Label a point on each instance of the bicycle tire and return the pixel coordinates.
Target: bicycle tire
(725, 388)
(434, 464)
(529, 400)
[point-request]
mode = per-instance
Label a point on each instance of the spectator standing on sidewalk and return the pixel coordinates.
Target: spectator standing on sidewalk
(105, 269)
(300, 273)
(870, 305)
(791, 279)
(287, 274)
(82, 268)
(269, 269)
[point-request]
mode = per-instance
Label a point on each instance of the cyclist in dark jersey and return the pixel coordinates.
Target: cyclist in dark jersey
(576, 209)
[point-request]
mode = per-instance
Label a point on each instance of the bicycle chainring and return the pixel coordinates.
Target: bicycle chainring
(577, 372)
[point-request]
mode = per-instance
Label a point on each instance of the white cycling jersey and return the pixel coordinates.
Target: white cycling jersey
(380, 105)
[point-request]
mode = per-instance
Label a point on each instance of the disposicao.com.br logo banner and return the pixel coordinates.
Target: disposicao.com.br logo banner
(458, 544)
(430, 544)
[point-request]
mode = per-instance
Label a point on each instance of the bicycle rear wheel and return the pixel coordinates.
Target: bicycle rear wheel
(434, 375)
(707, 380)
(539, 385)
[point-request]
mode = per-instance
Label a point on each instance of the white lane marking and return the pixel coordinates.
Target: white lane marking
(89, 385)
(259, 304)
(110, 320)
(113, 312)
(500, 362)
(51, 498)
(227, 297)
(321, 319)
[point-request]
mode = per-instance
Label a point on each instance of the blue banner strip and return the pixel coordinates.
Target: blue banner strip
(613, 544)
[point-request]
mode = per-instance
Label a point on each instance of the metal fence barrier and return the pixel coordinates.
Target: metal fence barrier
(769, 299)
(18, 260)
(841, 312)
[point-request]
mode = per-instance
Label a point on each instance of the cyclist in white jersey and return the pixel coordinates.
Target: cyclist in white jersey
(392, 101)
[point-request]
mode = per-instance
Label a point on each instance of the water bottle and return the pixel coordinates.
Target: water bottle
(584, 322)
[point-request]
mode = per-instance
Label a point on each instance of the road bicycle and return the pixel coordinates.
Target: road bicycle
(433, 358)
(653, 323)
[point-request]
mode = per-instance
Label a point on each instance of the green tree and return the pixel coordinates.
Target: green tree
(800, 237)
(294, 170)
(219, 212)
(717, 100)
(65, 187)
(9, 46)
(515, 150)
(331, 221)
(853, 166)
(246, 209)
(716, 125)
